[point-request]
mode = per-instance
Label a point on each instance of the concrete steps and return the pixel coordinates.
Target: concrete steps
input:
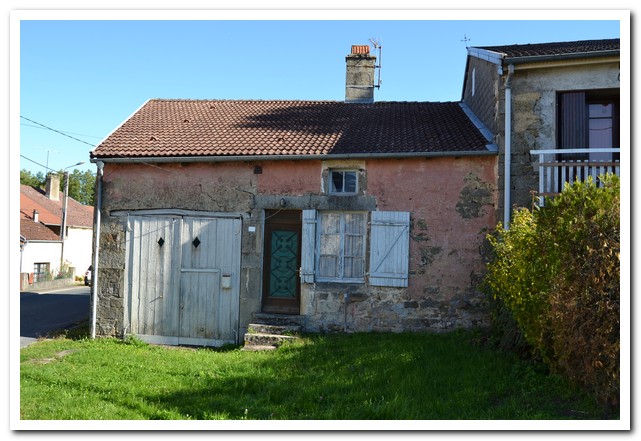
(270, 331)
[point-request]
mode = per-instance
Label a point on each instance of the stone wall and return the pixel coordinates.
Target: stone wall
(534, 109)
(359, 308)
(535, 88)
(452, 203)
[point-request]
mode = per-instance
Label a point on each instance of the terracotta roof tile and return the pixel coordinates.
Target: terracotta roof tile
(35, 230)
(50, 212)
(559, 48)
(164, 128)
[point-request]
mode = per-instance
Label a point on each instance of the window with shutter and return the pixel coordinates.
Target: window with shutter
(588, 119)
(389, 248)
(334, 246)
(341, 246)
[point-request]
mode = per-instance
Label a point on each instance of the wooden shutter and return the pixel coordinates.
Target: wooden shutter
(389, 248)
(574, 120)
(308, 247)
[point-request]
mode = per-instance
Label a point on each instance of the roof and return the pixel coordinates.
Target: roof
(556, 49)
(35, 230)
(174, 128)
(50, 211)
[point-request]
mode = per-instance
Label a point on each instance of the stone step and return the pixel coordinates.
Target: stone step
(260, 328)
(257, 348)
(268, 331)
(278, 319)
(267, 339)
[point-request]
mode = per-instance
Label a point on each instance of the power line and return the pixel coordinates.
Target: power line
(23, 156)
(69, 133)
(57, 131)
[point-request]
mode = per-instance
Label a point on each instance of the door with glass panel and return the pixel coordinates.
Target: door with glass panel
(281, 263)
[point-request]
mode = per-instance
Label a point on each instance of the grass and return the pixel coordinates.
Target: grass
(321, 377)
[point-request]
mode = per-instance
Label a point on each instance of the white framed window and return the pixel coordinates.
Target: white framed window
(341, 246)
(343, 182)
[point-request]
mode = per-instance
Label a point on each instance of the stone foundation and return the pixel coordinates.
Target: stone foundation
(374, 309)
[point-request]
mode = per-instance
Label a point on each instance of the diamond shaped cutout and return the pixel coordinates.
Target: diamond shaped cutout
(196, 242)
(161, 241)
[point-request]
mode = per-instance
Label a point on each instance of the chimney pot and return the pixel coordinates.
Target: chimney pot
(35, 216)
(360, 49)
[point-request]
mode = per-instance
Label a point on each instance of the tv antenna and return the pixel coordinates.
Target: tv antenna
(48, 151)
(378, 44)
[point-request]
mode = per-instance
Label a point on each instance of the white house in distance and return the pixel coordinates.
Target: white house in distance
(43, 250)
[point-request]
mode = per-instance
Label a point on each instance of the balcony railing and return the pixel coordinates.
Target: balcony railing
(555, 172)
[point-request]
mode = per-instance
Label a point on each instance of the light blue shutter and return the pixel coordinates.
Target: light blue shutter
(308, 247)
(389, 248)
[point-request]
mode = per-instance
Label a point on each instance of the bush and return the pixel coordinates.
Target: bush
(519, 278)
(584, 299)
(557, 272)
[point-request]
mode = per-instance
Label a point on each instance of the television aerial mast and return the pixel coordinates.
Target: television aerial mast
(378, 44)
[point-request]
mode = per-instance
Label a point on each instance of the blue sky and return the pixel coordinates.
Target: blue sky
(84, 77)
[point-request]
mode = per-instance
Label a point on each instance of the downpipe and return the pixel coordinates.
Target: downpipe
(508, 148)
(96, 250)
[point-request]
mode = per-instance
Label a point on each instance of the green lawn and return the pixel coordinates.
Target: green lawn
(322, 377)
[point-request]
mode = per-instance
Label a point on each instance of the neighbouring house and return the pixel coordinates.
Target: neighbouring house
(554, 107)
(350, 216)
(42, 248)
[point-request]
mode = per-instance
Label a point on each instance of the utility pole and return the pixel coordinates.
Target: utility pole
(63, 226)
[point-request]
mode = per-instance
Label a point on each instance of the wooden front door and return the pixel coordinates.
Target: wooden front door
(281, 263)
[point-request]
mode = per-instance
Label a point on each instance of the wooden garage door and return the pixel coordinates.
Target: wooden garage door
(184, 275)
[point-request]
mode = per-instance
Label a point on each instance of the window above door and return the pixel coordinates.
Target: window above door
(344, 178)
(343, 182)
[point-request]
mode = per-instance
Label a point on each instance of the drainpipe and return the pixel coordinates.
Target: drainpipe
(23, 243)
(508, 147)
(94, 278)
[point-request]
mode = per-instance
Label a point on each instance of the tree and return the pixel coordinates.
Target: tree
(81, 184)
(28, 178)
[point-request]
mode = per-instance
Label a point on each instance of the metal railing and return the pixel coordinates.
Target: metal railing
(555, 172)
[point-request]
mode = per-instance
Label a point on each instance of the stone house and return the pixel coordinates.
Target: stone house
(349, 216)
(554, 107)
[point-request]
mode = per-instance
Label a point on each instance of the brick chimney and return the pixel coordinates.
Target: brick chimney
(359, 81)
(53, 187)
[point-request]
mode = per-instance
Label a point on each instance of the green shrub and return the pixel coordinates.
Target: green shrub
(584, 299)
(557, 272)
(519, 277)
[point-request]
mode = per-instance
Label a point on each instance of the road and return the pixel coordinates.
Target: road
(43, 312)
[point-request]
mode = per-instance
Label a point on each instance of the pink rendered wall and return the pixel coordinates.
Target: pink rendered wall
(290, 178)
(452, 203)
(193, 186)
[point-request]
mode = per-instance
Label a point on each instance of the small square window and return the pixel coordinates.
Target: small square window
(343, 182)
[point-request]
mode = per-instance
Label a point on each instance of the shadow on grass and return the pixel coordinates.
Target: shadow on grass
(385, 377)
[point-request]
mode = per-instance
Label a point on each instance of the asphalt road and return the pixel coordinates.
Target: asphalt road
(44, 312)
